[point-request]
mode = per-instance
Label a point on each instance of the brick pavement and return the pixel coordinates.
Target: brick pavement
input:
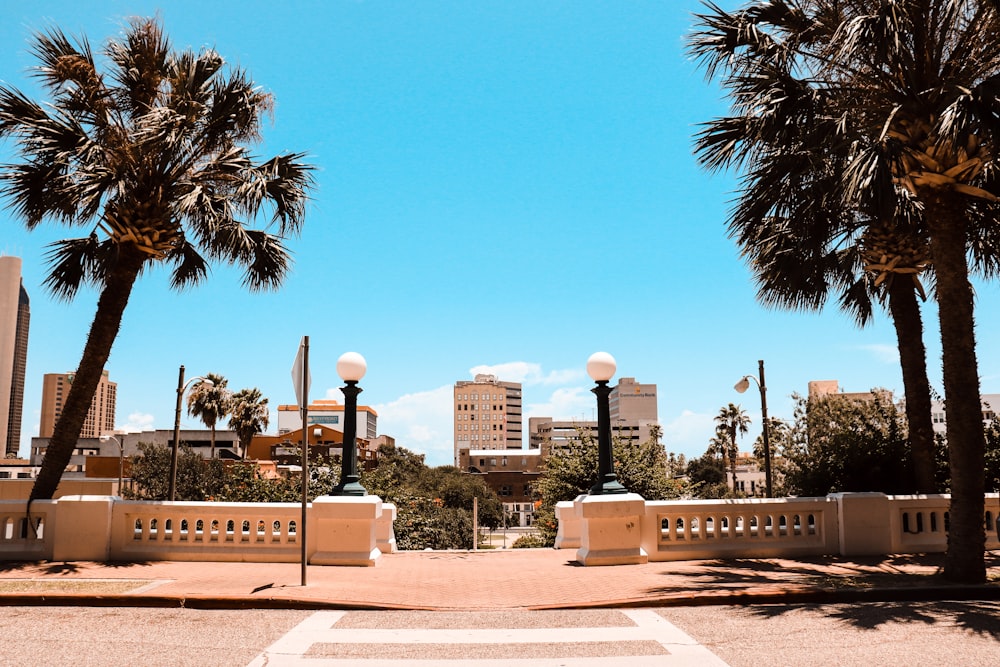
(509, 579)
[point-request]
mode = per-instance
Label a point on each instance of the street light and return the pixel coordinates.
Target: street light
(351, 367)
(121, 457)
(601, 367)
(181, 388)
(741, 387)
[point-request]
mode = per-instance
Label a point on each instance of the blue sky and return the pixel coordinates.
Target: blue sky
(544, 147)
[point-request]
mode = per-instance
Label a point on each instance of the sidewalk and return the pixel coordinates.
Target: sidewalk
(483, 580)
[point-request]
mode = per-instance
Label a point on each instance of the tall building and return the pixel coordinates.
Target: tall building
(487, 415)
(632, 409)
(100, 418)
(14, 316)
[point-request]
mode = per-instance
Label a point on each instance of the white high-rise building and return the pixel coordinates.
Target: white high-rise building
(14, 316)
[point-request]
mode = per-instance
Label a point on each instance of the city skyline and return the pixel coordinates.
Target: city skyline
(502, 189)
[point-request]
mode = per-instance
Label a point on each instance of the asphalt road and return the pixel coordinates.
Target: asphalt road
(955, 634)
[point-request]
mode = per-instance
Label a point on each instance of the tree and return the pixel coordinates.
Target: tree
(209, 401)
(902, 96)
(840, 444)
(571, 470)
(150, 157)
(197, 479)
(248, 416)
(732, 421)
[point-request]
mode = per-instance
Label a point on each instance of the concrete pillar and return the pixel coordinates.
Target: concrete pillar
(385, 535)
(864, 524)
(610, 532)
(343, 530)
(569, 524)
(82, 528)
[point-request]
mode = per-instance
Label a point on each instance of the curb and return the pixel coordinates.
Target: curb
(792, 596)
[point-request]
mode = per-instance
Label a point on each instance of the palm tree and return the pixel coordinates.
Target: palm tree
(209, 401)
(248, 416)
(150, 158)
(902, 97)
(731, 421)
(799, 253)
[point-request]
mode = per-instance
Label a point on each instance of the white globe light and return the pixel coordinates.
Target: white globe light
(601, 366)
(351, 367)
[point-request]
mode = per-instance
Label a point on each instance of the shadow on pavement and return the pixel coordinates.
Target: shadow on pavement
(979, 617)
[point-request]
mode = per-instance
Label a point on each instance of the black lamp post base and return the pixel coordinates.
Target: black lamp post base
(349, 488)
(607, 486)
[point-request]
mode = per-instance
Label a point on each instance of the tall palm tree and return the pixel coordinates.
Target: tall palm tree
(209, 401)
(150, 157)
(800, 252)
(905, 95)
(248, 416)
(732, 421)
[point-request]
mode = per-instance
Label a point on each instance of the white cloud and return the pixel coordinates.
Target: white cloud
(689, 433)
(564, 404)
(527, 373)
(137, 423)
(886, 354)
(421, 422)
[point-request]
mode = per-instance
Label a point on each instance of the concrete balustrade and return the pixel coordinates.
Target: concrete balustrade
(104, 528)
(605, 530)
(847, 524)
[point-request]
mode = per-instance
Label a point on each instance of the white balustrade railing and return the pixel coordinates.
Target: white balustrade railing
(257, 532)
(751, 528)
(109, 528)
(23, 537)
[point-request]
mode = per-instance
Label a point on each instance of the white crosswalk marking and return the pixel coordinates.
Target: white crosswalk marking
(649, 640)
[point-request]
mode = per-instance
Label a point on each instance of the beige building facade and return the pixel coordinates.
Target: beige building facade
(487, 415)
(100, 418)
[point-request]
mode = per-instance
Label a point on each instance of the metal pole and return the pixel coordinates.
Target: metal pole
(475, 523)
(350, 481)
(121, 464)
(767, 442)
(305, 453)
(172, 488)
(607, 481)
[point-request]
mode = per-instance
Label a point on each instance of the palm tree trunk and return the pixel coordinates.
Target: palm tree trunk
(965, 558)
(905, 310)
(103, 331)
(212, 453)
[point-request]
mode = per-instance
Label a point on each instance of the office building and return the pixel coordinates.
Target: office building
(330, 413)
(632, 409)
(14, 316)
(487, 415)
(100, 418)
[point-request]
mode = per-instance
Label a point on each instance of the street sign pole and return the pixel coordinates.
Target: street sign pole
(301, 381)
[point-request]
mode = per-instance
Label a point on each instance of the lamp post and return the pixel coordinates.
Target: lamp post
(121, 457)
(351, 367)
(741, 387)
(601, 367)
(181, 388)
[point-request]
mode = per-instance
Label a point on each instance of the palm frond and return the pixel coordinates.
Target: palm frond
(74, 263)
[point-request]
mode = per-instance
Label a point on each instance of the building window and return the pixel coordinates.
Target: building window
(503, 461)
(505, 491)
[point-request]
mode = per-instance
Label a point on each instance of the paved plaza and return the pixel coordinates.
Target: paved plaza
(485, 580)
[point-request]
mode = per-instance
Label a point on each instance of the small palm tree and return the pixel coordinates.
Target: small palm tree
(248, 416)
(732, 421)
(150, 157)
(209, 401)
